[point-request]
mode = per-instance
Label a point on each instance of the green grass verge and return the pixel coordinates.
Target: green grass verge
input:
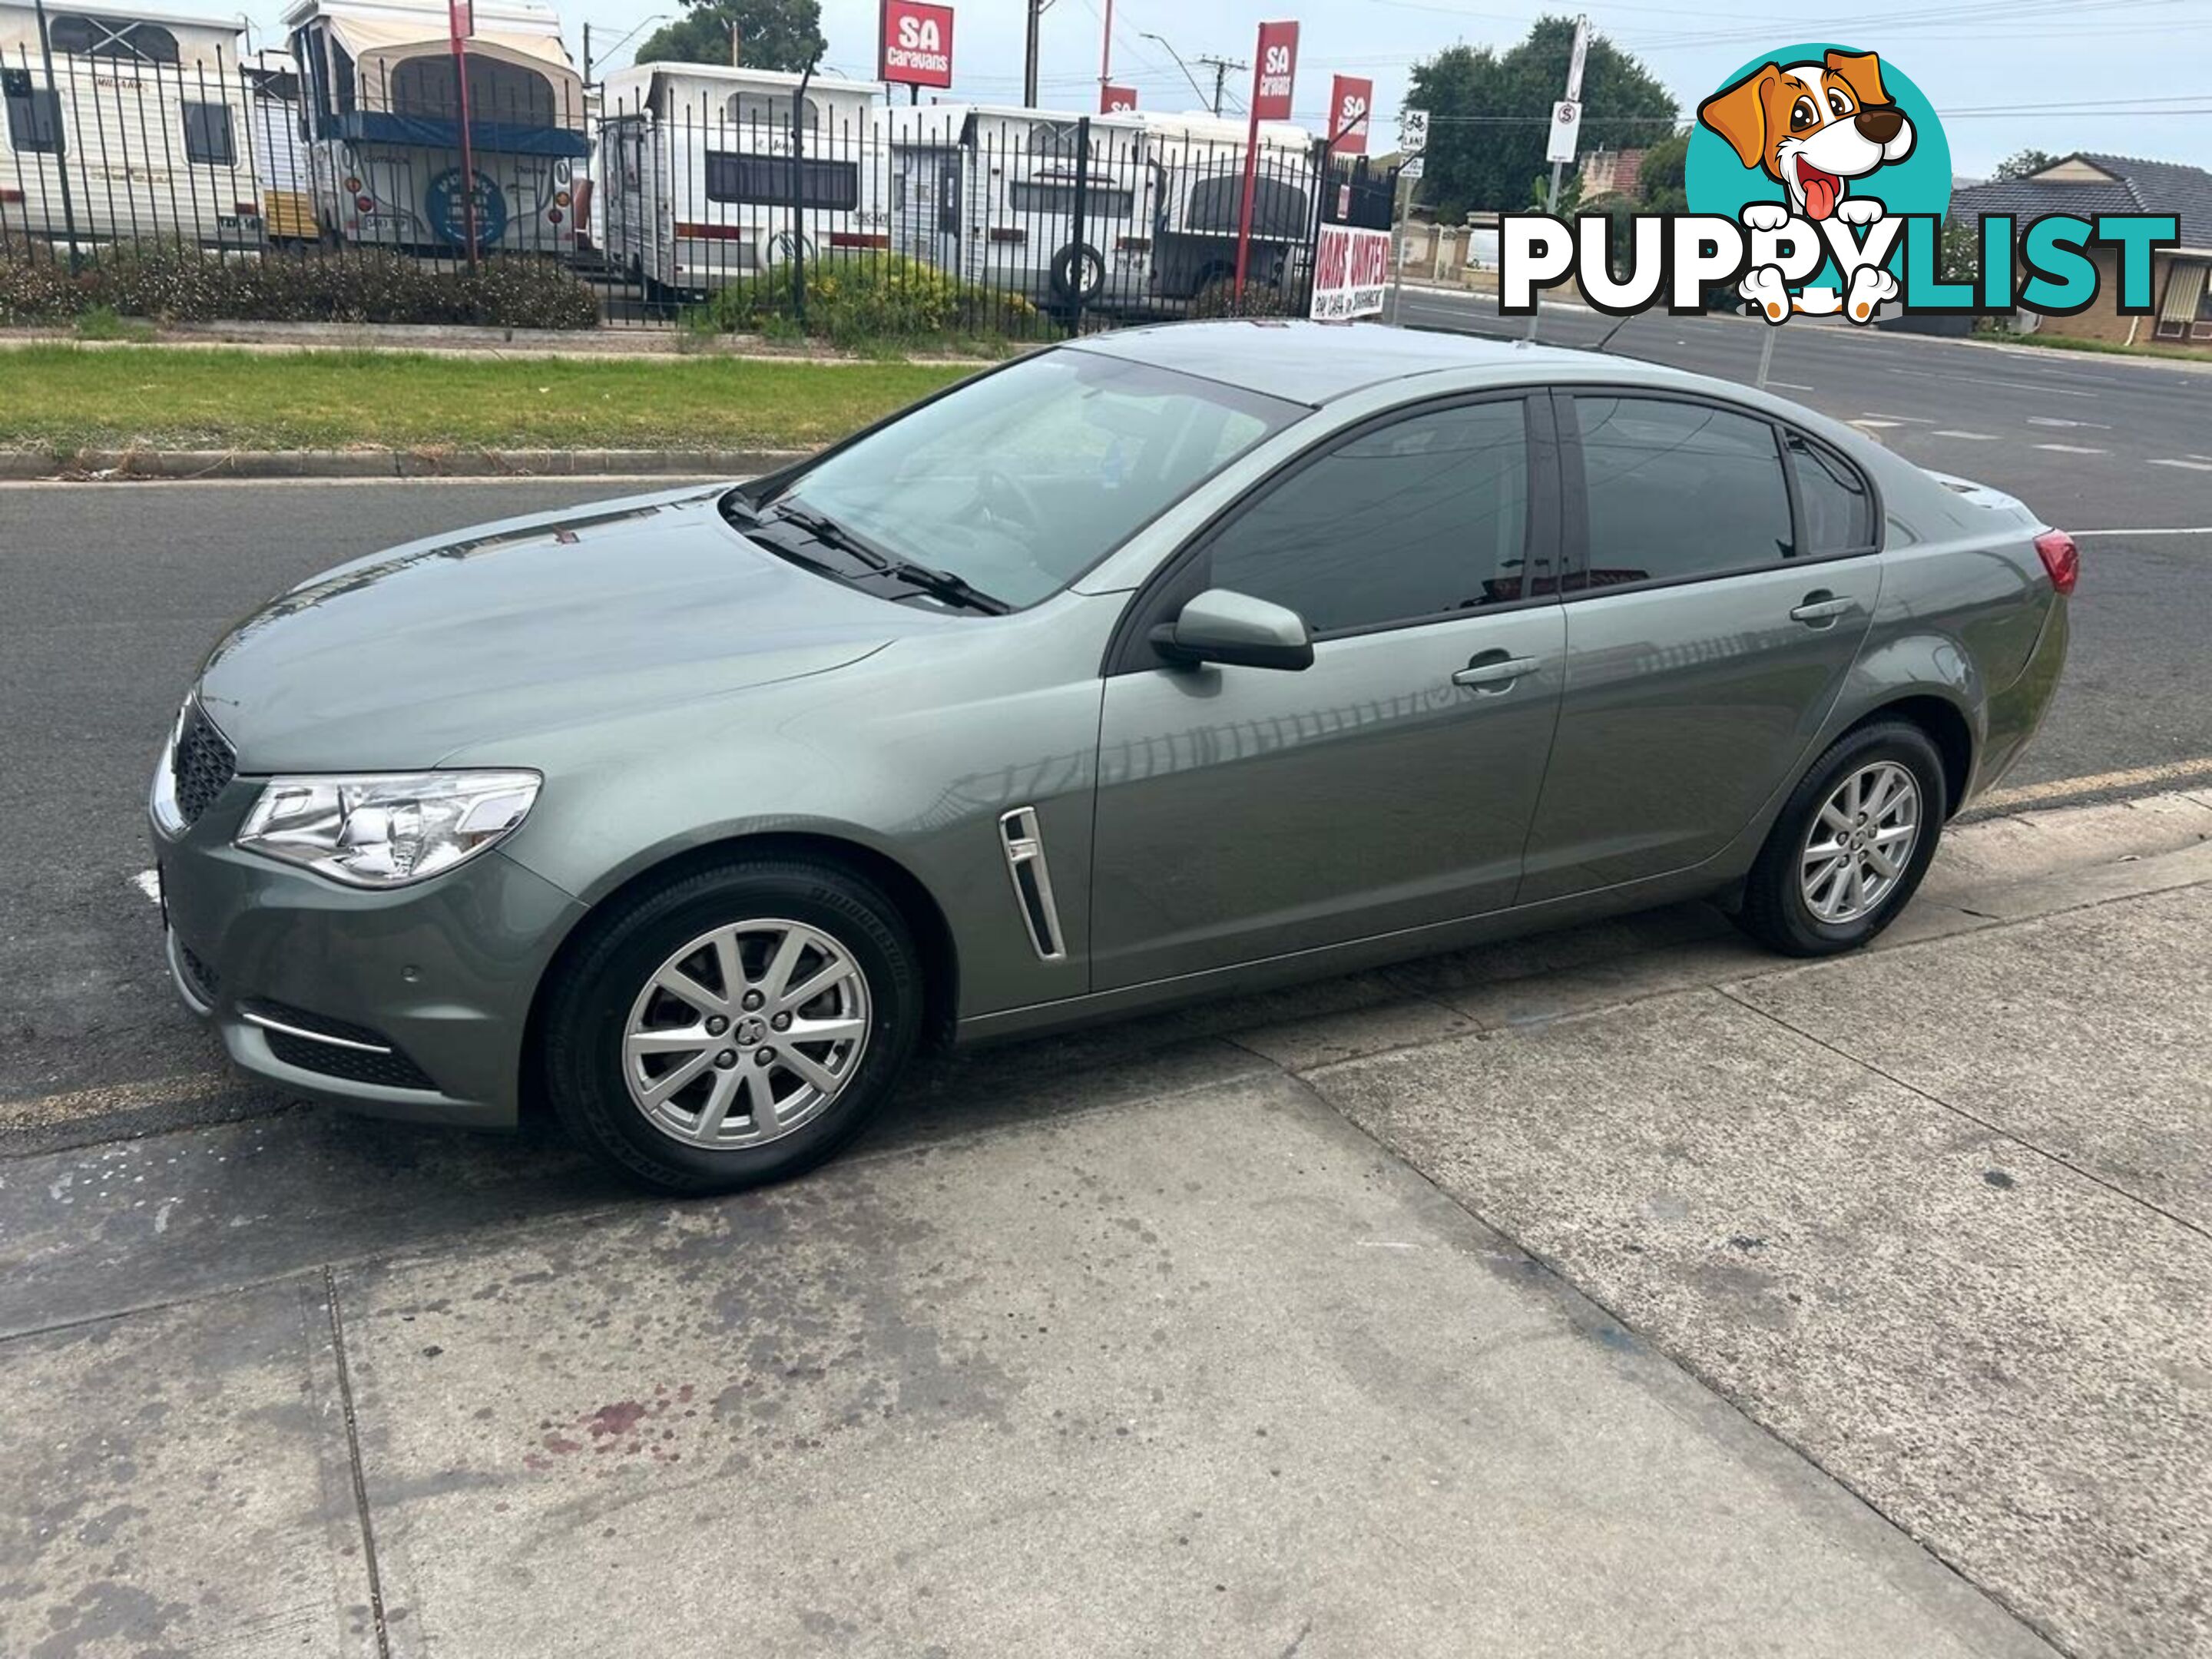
(62, 398)
(2107, 348)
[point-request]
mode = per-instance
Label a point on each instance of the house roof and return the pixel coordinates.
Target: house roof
(2085, 183)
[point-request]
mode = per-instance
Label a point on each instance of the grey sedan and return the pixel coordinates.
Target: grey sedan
(1170, 663)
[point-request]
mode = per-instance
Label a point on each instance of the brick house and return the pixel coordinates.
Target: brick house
(1611, 173)
(2088, 184)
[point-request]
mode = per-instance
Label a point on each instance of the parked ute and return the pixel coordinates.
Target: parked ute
(1163, 664)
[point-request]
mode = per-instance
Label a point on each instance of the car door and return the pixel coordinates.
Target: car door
(1247, 813)
(1721, 576)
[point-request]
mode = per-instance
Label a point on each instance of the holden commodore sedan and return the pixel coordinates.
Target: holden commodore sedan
(1165, 664)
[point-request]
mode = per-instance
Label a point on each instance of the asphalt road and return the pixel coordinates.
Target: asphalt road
(109, 594)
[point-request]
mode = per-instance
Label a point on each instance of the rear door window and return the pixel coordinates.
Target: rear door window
(1678, 490)
(1836, 506)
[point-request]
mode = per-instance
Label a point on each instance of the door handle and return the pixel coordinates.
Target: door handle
(1820, 608)
(1494, 668)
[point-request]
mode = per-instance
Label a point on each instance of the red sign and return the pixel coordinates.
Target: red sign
(461, 18)
(1351, 106)
(1276, 66)
(1116, 100)
(917, 43)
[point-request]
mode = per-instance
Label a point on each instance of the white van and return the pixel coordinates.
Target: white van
(697, 183)
(148, 111)
(382, 105)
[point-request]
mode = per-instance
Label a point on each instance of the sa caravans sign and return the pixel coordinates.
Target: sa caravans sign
(917, 43)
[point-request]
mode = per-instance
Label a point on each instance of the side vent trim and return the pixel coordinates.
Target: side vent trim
(1025, 864)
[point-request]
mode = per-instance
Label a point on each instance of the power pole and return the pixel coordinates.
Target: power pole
(737, 60)
(1221, 66)
(587, 54)
(1035, 9)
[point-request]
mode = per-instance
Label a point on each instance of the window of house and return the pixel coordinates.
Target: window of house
(769, 178)
(1679, 489)
(207, 135)
(1837, 510)
(34, 113)
(1425, 517)
(1029, 195)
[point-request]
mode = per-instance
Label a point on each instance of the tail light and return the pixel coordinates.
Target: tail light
(552, 216)
(560, 198)
(353, 183)
(2060, 558)
(366, 203)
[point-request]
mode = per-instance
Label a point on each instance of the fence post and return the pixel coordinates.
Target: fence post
(799, 194)
(1082, 219)
(60, 136)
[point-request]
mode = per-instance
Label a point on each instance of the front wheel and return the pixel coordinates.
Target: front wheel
(734, 1025)
(1851, 844)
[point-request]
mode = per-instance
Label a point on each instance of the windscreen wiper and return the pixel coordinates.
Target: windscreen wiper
(828, 532)
(943, 585)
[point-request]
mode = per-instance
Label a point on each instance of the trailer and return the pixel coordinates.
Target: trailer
(705, 174)
(1197, 166)
(1012, 199)
(384, 111)
(124, 125)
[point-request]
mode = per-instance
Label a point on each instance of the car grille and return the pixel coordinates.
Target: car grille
(317, 1042)
(201, 766)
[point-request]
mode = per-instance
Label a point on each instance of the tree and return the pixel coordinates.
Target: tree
(2020, 163)
(1489, 113)
(775, 35)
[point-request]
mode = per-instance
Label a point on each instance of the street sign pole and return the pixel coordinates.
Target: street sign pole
(1413, 144)
(1574, 98)
(1397, 242)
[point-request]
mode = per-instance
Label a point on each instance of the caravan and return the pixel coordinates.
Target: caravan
(280, 147)
(1008, 199)
(141, 130)
(382, 106)
(701, 171)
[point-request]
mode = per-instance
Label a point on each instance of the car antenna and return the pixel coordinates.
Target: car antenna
(1615, 329)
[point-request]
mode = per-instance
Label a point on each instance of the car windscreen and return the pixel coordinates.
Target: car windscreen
(1019, 481)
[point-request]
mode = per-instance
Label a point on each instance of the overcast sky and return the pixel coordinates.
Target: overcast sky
(2129, 76)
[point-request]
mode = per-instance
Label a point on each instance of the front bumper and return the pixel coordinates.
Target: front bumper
(307, 980)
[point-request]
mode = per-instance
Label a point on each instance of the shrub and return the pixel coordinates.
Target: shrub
(358, 286)
(1218, 298)
(865, 299)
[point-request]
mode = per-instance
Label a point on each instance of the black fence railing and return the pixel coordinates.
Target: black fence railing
(730, 207)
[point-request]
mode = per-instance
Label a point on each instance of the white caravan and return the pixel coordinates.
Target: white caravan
(147, 111)
(697, 183)
(990, 195)
(383, 108)
(280, 147)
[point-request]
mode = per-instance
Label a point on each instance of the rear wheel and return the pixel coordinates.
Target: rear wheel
(1851, 844)
(734, 1025)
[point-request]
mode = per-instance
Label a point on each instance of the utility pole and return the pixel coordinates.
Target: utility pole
(1035, 9)
(736, 57)
(1221, 66)
(587, 54)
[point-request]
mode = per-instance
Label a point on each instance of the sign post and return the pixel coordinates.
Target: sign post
(461, 21)
(1565, 130)
(1413, 144)
(1275, 67)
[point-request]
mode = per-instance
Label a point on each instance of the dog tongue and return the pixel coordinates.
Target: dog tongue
(1820, 192)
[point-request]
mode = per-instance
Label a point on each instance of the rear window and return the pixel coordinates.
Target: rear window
(1679, 490)
(1837, 507)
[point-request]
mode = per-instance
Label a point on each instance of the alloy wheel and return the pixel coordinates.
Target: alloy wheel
(1861, 843)
(746, 1034)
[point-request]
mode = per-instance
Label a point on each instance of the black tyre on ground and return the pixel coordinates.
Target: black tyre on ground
(1851, 844)
(736, 1023)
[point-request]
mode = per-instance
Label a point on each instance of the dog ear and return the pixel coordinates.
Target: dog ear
(1738, 113)
(1862, 72)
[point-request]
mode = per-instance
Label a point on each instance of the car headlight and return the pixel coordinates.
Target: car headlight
(389, 828)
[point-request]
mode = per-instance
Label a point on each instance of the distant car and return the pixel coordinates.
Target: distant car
(1170, 663)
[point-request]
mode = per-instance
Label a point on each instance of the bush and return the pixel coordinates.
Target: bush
(865, 299)
(1218, 298)
(357, 286)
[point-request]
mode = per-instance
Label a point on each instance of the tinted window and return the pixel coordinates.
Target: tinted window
(34, 113)
(112, 37)
(768, 178)
(1029, 196)
(1679, 489)
(207, 135)
(1427, 515)
(1838, 512)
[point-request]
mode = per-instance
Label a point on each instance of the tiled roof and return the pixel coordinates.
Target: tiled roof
(2135, 186)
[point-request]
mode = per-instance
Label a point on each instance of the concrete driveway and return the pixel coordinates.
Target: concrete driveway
(1621, 1292)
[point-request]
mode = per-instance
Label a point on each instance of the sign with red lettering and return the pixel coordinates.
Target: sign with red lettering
(917, 43)
(1351, 272)
(1351, 101)
(1273, 71)
(1116, 100)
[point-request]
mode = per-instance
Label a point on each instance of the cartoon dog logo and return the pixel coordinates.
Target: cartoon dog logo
(1814, 129)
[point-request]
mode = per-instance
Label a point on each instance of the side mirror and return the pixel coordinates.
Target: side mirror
(1219, 626)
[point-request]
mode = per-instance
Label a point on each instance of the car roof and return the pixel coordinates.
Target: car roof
(1315, 364)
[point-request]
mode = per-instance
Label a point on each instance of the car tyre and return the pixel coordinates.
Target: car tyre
(1799, 898)
(593, 1012)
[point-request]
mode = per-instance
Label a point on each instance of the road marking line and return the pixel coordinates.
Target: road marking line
(2053, 419)
(2184, 529)
(1971, 437)
(1863, 421)
(2072, 449)
(2171, 771)
(1789, 385)
(1910, 420)
(149, 882)
(2194, 466)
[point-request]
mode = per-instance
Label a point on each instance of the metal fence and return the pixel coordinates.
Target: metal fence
(732, 206)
